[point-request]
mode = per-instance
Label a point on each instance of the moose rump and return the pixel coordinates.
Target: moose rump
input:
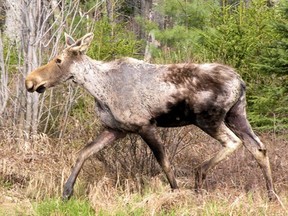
(204, 95)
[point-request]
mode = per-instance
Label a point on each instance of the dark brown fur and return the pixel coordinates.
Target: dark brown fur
(192, 77)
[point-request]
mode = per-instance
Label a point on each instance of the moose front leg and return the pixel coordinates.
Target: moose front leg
(154, 142)
(105, 138)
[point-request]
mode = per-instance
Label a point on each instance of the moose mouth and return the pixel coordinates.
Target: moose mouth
(42, 86)
(40, 89)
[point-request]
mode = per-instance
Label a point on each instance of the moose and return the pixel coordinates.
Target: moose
(133, 96)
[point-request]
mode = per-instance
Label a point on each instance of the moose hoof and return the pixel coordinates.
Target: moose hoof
(67, 193)
(199, 179)
(272, 196)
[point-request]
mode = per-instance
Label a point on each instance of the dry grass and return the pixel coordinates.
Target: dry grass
(159, 200)
(32, 171)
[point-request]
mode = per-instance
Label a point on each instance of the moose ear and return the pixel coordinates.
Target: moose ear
(82, 44)
(86, 41)
(69, 40)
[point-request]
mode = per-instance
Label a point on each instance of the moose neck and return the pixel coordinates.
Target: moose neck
(91, 74)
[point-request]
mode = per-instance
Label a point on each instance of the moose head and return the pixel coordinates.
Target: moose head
(58, 70)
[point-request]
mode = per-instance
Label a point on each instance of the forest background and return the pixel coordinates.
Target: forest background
(249, 35)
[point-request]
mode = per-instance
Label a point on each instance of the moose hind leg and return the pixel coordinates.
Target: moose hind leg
(237, 121)
(229, 141)
(262, 159)
(154, 142)
(105, 138)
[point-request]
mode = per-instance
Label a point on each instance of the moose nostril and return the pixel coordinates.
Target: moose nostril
(29, 85)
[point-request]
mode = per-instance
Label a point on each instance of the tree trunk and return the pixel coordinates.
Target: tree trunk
(109, 9)
(149, 13)
(3, 80)
(30, 12)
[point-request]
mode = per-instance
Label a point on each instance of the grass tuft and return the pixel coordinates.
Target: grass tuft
(56, 206)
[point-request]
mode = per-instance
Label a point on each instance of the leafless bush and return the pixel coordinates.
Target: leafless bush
(41, 27)
(132, 159)
(188, 147)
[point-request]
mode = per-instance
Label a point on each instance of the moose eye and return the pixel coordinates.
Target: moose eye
(58, 61)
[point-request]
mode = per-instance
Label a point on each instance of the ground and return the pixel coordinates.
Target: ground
(32, 175)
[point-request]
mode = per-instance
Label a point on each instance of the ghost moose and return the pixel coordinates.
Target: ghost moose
(133, 96)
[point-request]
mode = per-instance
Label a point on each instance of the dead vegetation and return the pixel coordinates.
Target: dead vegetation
(31, 171)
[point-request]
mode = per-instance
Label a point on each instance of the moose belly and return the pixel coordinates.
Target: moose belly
(204, 115)
(179, 114)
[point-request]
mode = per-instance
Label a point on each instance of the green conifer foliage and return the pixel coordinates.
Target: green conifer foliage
(275, 59)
